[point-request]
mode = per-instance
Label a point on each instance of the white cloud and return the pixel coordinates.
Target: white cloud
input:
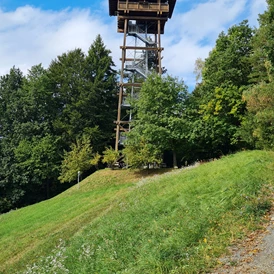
(182, 55)
(256, 7)
(29, 35)
(207, 19)
(192, 34)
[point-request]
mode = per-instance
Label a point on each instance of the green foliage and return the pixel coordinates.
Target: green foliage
(77, 159)
(216, 108)
(229, 60)
(110, 156)
(11, 114)
(72, 93)
(37, 159)
(224, 112)
(100, 71)
(85, 89)
(258, 58)
(29, 149)
(213, 121)
(96, 160)
(11, 103)
(262, 57)
(42, 114)
(158, 122)
(180, 222)
(257, 128)
(266, 25)
(139, 153)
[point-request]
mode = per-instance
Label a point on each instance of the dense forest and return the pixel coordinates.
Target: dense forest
(44, 113)
(57, 121)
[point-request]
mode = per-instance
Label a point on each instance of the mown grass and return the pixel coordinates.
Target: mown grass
(32, 232)
(179, 222)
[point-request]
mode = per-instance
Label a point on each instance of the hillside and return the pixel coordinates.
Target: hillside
(121, 222)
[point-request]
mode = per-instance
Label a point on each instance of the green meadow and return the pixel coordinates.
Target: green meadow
(150, 221)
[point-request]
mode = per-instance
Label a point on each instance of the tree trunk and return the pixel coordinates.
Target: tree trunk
(174, 159)
(47, 188)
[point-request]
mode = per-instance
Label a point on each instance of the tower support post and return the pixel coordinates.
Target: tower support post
(139, 21)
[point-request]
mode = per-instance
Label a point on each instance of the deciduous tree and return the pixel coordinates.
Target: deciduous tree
(78, 159)
(217, 102)
(258, 128)
(159, 110)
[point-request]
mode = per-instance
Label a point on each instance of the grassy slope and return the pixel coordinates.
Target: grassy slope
(179, 222)
(33, 231)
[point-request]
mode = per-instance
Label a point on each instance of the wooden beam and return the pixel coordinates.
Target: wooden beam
(141, 48)
(144, 18)
(131, 84)
(131, 59)
(121, 89)
(159, 45)
(121, 122)
(143, 7)
(122, 129)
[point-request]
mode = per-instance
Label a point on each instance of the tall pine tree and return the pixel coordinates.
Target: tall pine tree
(103, 78)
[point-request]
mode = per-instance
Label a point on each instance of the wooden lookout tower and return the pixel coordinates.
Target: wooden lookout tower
(142, 23)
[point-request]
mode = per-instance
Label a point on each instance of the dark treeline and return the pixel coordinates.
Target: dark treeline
(44, 112)
(53, 117)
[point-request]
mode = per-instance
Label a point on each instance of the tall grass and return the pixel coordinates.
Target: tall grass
(179, 222)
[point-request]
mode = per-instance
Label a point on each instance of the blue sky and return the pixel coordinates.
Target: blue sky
(33, 31)
(49, 4)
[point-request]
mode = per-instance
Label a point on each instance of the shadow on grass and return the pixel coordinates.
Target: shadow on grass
(151, 172)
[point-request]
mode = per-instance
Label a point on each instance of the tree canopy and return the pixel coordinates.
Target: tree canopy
(158, 121)
(216, 103)
(44, 113)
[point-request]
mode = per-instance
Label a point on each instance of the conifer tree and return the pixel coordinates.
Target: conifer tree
(103, 78)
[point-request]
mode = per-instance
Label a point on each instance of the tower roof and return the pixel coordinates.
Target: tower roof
(113, 5)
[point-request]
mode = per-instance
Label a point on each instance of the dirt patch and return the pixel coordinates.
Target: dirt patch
(255, 255)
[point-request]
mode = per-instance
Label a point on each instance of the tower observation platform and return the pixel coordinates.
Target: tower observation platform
(142, 23)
